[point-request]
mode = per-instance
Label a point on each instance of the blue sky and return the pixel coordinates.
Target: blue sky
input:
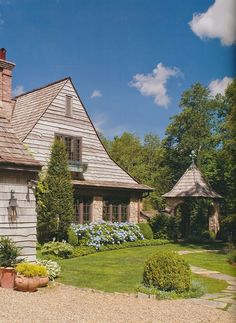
(130, 60)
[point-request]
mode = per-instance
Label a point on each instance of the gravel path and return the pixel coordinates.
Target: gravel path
(62, 304)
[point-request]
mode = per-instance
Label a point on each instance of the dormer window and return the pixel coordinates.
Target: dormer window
(68, 106)
(73, 147)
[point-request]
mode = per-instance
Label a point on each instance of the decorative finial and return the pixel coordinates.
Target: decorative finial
(193, 156)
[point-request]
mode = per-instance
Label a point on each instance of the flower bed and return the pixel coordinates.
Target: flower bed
(102, 234)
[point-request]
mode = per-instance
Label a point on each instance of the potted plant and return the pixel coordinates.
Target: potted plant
(30, 276)
(9, 253)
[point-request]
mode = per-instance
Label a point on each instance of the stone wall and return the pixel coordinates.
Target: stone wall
(134, 209)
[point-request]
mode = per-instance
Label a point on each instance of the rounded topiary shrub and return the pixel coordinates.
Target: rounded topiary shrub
(146, 230)
(167, 271)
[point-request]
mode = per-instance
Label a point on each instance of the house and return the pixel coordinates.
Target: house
(18, 168)
(102, 189)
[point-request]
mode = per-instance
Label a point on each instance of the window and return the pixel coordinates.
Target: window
(73, 147)
(68, 106)
(115, 210)
(83, 207)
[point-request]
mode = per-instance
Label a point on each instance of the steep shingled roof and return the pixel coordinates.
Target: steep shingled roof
(12, 150)
(30, 106)
(192, 184)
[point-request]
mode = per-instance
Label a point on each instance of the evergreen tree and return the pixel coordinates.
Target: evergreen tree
(55, 197)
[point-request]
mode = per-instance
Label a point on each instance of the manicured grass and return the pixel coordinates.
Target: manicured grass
(120, 270)
(211, 285)
(212, 261)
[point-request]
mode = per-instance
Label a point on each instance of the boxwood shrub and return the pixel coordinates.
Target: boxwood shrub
(167, 271)
(146, 230)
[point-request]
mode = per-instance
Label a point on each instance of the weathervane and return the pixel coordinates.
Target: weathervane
(193, 156)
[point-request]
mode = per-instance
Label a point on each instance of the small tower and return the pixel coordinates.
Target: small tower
(193, 184)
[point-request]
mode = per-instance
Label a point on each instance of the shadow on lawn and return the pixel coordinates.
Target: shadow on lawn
(219, 246)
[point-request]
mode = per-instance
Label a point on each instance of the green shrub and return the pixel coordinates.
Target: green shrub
(54, 196)
(28, 269)
(8, 252)
(204, 237)
(165, 226)
(146, 230)
(228, 229)
(196, 290)
(53, 268)
(208, 235)
(167, 271)
(58, 249)
(231, 256)
(84, 251)
(72, 237)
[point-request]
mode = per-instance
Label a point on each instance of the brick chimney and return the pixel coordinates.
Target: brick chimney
(6, 102)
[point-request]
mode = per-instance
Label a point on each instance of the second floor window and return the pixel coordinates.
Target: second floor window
(73, 147)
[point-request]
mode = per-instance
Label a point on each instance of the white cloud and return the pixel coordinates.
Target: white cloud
(217, 22)
(96, 94)
(154, 84)
(99, 121)
(219, 86)
(19, 89)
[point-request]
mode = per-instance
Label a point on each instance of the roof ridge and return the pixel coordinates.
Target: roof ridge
(42, 87)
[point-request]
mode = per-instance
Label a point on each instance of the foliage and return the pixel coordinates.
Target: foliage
(28, 269)
(231, 256)
(99, 234)
(167, 271)
(141, 159)
(196, 290)
(8, 252)
(55, 197)
(228, 228)
(72, 237)
(205, 124)
(146, 230)
(164, 226)
(58, 249)
(53, 268)
(84, 251)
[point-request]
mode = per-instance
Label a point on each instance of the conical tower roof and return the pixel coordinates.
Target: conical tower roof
(192, 184)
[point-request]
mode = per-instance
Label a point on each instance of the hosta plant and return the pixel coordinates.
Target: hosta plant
(53, 268)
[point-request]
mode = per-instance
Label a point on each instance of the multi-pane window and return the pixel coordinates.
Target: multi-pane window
(68, 106)
(83, 206)
(73, 147)
(115, 210)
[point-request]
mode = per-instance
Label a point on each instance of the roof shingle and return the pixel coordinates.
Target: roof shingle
(192, 184)
(11, 149)
(30, 106)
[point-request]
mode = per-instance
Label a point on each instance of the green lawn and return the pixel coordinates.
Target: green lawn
(121, 270)
(212, 261)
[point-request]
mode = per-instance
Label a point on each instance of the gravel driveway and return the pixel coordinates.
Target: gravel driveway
(70, 304)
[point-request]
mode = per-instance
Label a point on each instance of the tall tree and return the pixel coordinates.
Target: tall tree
(55, 197)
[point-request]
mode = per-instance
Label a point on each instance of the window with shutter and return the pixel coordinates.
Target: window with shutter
(73, 147)
(68, 106)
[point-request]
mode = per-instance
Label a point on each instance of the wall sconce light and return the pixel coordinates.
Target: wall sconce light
(12, 208)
